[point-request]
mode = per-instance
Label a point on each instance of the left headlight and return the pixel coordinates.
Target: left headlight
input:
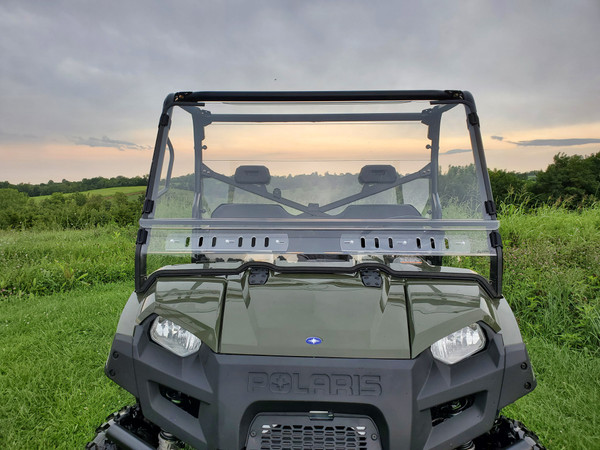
(459, 345)
(173, 337)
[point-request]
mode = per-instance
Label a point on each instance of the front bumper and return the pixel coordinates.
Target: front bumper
(211, 400)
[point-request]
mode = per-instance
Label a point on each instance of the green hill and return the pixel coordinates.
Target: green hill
(106, 192)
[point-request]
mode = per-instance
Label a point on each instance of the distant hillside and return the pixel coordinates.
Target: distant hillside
(85, 185)
(106, 192)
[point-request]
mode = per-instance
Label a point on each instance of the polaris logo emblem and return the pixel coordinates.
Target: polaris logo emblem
(314, 383)
(313, 340)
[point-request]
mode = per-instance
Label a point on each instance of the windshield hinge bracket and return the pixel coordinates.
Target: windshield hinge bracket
(473, 119)
(495, 239)
(371, 278)
(490, 208)
(164, 120)
(258, 276)
(148, 206)
(141, 236)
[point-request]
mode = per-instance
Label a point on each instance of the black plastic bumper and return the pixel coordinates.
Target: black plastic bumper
(210, 400)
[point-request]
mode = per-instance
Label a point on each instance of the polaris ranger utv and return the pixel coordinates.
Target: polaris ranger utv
(318, 270)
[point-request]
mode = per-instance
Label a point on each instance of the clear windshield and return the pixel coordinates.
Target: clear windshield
(355, 181)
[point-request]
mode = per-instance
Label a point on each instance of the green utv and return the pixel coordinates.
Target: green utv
(318, 270)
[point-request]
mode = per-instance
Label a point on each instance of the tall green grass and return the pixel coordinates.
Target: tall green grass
(563, 409)
(552, 273)
(44, 262)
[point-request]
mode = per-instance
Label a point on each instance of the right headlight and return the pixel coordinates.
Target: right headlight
(459, 345)
(173, 337)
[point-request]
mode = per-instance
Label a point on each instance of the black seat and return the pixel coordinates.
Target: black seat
(250, 211)
(378, 212)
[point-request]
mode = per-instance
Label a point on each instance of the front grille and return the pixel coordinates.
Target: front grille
(301, 432)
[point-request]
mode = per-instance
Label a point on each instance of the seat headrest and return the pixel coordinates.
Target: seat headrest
(252, 175)
(377, 173)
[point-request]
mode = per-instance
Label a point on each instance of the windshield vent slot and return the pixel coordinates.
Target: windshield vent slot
(227, 243)
(430, 243)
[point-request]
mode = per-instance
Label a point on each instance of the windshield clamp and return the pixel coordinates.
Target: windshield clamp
(164, 120)
(490, 207)
(495, 239)
(148, 206)
(141, 236)
(371, 277)
(473, 119)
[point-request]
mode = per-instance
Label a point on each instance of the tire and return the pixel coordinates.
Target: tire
(100, 442)
(131, 418)
(505, 433)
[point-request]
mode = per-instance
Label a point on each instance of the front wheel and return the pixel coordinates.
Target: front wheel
(508, 434)
(137, 430)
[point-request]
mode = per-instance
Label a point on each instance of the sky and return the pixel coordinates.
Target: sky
(82, 83)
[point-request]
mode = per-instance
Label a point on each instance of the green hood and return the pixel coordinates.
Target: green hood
(400, 319)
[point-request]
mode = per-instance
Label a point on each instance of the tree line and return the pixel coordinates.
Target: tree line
(67, 211)
(572, 181)
(67, 187)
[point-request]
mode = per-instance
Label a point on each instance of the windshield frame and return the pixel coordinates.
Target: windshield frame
(190, 100)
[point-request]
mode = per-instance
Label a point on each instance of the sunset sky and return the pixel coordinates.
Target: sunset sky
(82, 83)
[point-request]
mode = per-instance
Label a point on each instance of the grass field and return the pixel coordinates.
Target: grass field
(62, 293)
(106, 192)
(53, 392)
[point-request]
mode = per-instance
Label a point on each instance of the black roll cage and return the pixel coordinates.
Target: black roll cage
(441, 101)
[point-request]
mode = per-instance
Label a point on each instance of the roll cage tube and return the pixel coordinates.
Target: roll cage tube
(189, 101)
(367, 190)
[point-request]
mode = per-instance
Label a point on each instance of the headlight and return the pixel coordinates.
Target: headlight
(173, 337)
(459, 345)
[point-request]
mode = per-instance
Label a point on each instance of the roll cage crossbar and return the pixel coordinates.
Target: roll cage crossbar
(367, 190)
(441, 101)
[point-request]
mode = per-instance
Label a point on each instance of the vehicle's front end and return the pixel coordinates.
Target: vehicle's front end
(318, 271)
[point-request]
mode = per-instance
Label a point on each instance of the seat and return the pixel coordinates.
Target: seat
(249, 211)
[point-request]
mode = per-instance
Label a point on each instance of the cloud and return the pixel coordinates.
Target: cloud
(497, 138)
(112, 78)
(107, 142)
(17, 137)
(555, 142)
(456, 150)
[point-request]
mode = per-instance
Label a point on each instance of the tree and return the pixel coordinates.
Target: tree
(570, 178)
(504, 184)
(12, 208)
